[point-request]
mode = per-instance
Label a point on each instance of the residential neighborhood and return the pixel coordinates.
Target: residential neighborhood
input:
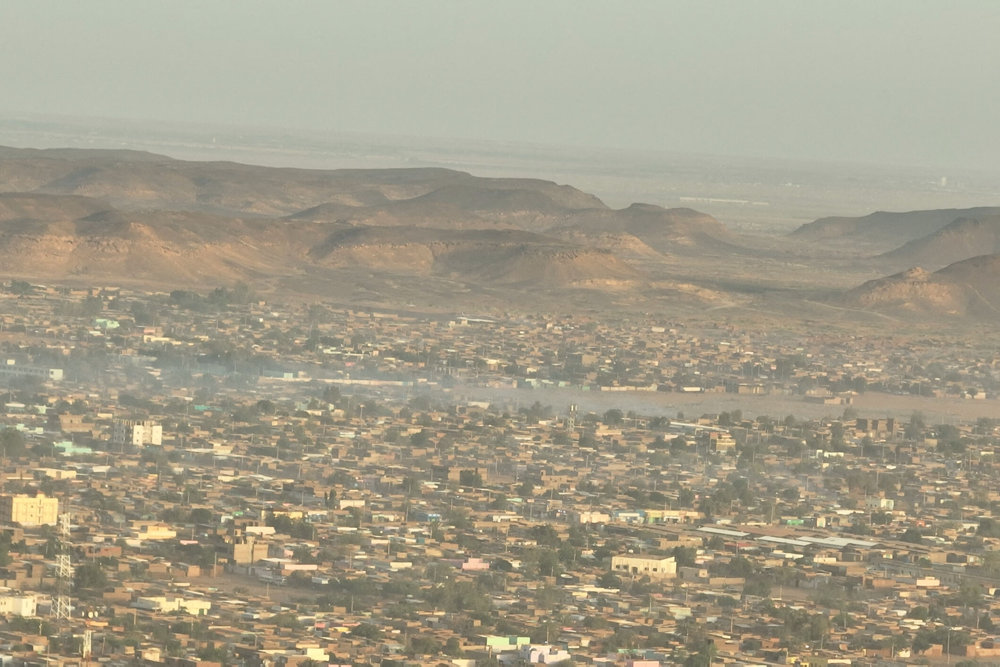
(216, 479)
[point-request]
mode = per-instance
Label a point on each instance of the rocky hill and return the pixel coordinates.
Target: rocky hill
(969, 288)
(129, 216)
(128, 179)
(506, 257)
(27, 207)
(429, 236)
(883, 231)
(958, 240)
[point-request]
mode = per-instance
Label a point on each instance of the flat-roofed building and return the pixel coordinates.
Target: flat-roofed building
(654, 568)
(18, 605)
(28, 510)
(136, 432)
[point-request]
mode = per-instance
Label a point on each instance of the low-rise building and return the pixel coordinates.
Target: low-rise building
(654, 568)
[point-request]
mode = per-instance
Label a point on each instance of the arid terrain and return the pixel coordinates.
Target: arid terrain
(428, 238)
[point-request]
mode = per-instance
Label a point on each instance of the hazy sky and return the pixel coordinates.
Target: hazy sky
(898, 82)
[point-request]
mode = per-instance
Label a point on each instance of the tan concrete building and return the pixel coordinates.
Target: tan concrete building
(654, 568)
(28, 510)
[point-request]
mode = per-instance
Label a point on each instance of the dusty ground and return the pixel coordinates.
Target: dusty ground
(229, 582)
(935, 410)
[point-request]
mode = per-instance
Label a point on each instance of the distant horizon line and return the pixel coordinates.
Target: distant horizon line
(270, 131)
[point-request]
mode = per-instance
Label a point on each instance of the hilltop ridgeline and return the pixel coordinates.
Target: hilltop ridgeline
(371, 235)
(124, 216)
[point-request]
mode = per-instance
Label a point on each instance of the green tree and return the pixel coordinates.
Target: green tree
(684, 556)
(424, 645)
(12, 443)
(547, 562)
(201, 515)
(89, 575)
(544, 535)
(609, 580)
(988, 527)
(459, 519)
(915, 426)
(613, 417)
(703, 656)
(366, 631)
(213, 653)
(470, 478)
(19, 287)
(453, 647)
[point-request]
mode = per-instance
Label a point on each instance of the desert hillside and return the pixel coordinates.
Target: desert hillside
(431, 235)
(883, 231)
(969, 288)
(960, 239)
(137, 217)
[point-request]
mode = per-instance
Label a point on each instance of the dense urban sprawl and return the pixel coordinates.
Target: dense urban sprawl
(219, 479)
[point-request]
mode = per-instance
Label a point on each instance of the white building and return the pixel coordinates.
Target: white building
(164, 604)
(12, 369)
(136, 432)
(876, 503)
(537, 654)
(18, 605)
